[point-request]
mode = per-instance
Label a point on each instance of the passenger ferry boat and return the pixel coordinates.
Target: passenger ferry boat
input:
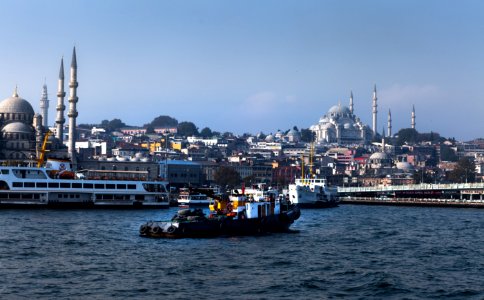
(312, 193)
(189, 198)
(51, 186)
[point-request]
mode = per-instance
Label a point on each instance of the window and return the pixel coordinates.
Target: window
(18, 184)
(41, 184)
(5, 172)
(29, 184)
(131, 186)
(88, 185)
(110, 186)
(53, 184)
(121, 186)
(99, 186)
(65, 185)
(76, 185)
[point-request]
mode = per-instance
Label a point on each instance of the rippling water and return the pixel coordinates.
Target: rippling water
(351, 252)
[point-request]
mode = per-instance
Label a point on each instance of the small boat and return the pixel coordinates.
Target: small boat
(188, 198)
(229, 216)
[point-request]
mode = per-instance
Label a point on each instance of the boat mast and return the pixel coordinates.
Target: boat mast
(311, 160)
(302, 167)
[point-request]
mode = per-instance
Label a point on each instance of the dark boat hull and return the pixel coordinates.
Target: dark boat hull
(219, 226)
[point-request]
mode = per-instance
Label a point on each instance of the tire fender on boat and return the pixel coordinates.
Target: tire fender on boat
(156, 229)
(143, 229)
(171, 229)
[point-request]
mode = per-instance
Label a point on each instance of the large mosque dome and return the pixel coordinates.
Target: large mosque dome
(339, 110)
(16, 108)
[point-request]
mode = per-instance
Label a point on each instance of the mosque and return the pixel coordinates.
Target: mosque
(341, 126)
(23, 130)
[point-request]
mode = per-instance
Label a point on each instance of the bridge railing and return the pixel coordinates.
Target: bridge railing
(410, 187)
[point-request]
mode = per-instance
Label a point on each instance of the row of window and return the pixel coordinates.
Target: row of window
(74, 185)
(183, 175)
(15, 116)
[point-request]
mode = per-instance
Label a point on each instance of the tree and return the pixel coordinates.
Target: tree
(464, 171)
(307, 135)
(187, 129)
(226, 176)
(206, 132)
(112, 125)
(407, 135)
(163, 121)
(447, 154)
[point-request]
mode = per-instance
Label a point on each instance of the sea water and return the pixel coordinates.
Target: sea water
(349, 252)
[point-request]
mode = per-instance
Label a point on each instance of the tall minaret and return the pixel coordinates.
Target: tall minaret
(413, 117)
(44, 106)
(351, 102)
(374, 111)
(60, 105)
(383, 140)
(72, 114)
(389, 123)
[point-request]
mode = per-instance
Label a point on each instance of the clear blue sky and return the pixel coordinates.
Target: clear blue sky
(250, 66)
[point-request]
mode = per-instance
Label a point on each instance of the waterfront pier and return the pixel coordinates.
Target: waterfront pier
(450, 195)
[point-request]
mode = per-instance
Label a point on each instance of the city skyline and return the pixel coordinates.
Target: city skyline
(253, 66)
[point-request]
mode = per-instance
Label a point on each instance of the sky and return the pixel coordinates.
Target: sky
(253, 66)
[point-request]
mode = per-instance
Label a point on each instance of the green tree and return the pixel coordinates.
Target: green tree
(407, 135)
(226, 176)
(112, 125)
(206, 132)
(163, 121)
(187, 129)
(307, 135)
(464, 171)
(447, 154)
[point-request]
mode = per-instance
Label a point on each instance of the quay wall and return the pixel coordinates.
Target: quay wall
(413, 202)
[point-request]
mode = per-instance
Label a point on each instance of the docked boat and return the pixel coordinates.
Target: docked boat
(228, 217)
(189, 197)
(57, 185)
(312, 193)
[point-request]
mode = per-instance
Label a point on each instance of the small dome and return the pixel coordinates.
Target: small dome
(405, 166)
(347, 126)
(379, 155)
(16, 105)
(17, 127)
(269, 138)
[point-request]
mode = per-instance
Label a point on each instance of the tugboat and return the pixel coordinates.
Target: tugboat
(229, 216)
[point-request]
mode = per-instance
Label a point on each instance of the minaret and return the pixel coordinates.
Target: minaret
(413, 117)
(383, 140)
(389, 123)
(44, 106)
(72, 114)
(60, 105)
(374, 111)
(351, 102)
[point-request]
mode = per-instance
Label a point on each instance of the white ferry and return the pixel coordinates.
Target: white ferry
(37, 186)
(187, 197)
(312, 192)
